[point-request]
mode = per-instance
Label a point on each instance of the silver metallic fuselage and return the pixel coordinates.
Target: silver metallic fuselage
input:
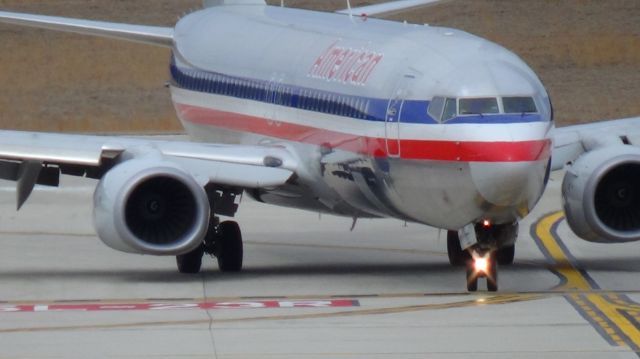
(350, 99)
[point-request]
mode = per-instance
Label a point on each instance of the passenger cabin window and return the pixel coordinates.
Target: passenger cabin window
(478, 106)
(519, 105)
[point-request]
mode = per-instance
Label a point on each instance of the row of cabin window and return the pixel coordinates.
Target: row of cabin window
(213, 83)
(281, 95)
(346, 106)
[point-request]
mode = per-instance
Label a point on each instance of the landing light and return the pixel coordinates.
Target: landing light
(486, 223)
(481, 264)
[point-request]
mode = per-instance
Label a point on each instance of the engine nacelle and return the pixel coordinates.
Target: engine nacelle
(601, 195)
(150, 206)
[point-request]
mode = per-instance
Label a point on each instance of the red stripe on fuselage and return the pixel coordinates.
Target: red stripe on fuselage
(465, 151)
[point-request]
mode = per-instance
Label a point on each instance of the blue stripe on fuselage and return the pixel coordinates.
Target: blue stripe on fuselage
(357, 107)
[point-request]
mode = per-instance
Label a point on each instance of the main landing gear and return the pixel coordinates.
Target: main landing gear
(223, 241)
(494, 246)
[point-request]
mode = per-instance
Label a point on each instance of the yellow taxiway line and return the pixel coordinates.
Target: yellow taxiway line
(614, 316)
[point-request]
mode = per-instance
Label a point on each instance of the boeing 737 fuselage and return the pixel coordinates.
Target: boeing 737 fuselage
(424, 124)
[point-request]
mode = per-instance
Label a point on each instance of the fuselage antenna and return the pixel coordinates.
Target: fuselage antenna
(281, 3)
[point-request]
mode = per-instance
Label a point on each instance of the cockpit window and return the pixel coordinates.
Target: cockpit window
(443, 109)
(450, 109)
(435, 108)
(479, 106)
(519, 105)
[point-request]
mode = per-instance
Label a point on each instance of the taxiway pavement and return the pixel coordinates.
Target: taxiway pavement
(310, 289)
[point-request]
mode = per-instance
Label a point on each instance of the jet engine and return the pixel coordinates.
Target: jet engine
(150, 206)
(601, 195)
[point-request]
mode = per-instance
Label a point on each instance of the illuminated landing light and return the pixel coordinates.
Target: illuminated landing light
(481, 264)
(486, 223)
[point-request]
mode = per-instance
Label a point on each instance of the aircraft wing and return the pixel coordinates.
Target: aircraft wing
(388, 8)
(152, 35)
(571, 141)
(39, 158)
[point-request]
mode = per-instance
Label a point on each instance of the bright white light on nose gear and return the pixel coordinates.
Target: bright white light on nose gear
(486, 223)
(481, 264)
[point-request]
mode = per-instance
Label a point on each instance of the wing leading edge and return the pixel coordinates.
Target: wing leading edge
(31, 158)
(152, 35)
(572, 141)
(388, 8)
(210, 3)
(163, 36)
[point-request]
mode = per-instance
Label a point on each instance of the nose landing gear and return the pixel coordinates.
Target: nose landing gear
(482, 265)
(481, 248)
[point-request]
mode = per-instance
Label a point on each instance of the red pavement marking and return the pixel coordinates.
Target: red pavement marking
(253, 304)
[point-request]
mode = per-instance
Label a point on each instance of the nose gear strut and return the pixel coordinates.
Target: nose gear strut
(481, 248)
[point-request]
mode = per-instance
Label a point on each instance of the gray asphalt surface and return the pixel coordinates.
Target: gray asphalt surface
(310, 289)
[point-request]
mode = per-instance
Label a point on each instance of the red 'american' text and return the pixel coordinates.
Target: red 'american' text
(345, 65)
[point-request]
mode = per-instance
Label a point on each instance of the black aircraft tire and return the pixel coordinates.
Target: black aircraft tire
(492, 276)
(457, 256)
(191, 262)
(472, 279)
(229, 247)
(506, 255)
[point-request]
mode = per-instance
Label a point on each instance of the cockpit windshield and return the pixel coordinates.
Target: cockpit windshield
(443, 109)
(519, 105)
(478, 106)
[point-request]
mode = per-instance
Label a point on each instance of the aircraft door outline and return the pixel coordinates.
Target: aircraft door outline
(393, 117)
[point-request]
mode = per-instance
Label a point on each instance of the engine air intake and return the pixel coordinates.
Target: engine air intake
(601, 195)
(617, 198)
(160, 210)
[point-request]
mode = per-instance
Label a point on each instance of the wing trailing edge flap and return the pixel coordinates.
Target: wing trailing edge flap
(151, 35)
(25, 157)
(27, 174)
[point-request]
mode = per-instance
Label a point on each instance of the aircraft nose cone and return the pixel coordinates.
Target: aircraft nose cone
(517, 185)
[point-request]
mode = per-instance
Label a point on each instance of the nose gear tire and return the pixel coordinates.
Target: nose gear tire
(505, 255)
(472, 278)
(492, 276)
(457, 256)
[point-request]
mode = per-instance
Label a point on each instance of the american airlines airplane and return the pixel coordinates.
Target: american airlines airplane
(340, 114)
